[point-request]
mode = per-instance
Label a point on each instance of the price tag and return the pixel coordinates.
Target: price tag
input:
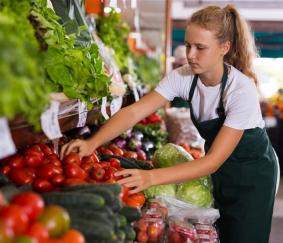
(136, 94)
(82, 114)
(103, 108)
(116, 104)
(270, 122)
(49, 121)
(7, 146)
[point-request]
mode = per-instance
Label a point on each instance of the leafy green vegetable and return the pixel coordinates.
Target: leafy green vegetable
(148, 70)
(195, 192)
(75, 70)
(161, 190)
(114, 32)
(169, 155)
(22, 77)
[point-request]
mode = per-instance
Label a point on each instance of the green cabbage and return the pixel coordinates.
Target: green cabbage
(161, 190)
(195, 192)
(169, 155)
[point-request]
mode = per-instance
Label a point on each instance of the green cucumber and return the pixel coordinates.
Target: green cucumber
(130, 233)
(74, 199)
(94, 230)
(115, 187)
(132, 214)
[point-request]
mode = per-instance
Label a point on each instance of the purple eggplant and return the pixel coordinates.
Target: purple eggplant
(120, 142)
(137, 135)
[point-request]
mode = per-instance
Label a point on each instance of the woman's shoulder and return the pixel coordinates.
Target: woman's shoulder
(239, 80)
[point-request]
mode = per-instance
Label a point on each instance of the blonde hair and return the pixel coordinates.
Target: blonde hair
(228, 25)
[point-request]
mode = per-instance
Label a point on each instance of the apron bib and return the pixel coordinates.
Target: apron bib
(244, 186)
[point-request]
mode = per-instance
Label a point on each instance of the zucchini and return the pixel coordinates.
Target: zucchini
(132, 214)
(4, 180)
(115, 187)
(108, 196)
(9, 191)
(116, 205)
(129, 163)
(74, 199)
(94, 230)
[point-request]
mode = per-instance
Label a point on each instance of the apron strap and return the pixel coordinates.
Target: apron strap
(220, 110)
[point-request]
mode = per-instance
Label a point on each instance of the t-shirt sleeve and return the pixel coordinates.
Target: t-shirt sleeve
(243, 107)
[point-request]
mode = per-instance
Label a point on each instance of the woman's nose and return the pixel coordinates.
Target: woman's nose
(191, 53)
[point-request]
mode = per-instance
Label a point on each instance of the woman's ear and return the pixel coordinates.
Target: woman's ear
(225, 47)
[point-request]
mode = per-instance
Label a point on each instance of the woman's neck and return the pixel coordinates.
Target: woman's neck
(214, 77)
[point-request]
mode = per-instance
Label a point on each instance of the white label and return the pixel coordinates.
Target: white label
(82, 114)
(7, 146)
(116, 104)
(270, 122)
(49, 121)
(136, 94)
(103, 108)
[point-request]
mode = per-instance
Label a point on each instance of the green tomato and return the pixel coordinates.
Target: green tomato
(23, 239)
(6, 233)
(56, 219)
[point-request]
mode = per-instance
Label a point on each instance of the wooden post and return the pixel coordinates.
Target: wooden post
(168, 36)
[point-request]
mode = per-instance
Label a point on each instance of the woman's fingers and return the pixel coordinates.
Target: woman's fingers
(69, 147)
(126, 172)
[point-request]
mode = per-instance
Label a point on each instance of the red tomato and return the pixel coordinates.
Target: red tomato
(141, 155)
(42, 185)
(20, 176)
(94, 157)
(55, 161)
(46, 171)
(73, 236)
(154, 232)
(100, 149)
(117, 151)
(35, 150)
(45, 149)
(106, 152)
(175, 237)
(31, 204)
(142, 237)
(58, 180)
(124, 193)
(30, 171)
(73, 182)
(142, 225)
(5, 170)
(33, 160)
(72, 158)
(15, 218)
(6, 233)
(52, 156)
(74, 171)
(87, 166)
(111, 146)
(87, 160)
(16, 161)
(104, 164)
(38, 233)
(110, 173)
(131, 154)
(97, 174)
(115, 163)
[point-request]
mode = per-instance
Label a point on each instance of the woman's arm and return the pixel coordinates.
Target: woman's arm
(120, 122)
(222, 147)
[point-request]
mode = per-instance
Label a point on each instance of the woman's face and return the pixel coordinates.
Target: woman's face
(204, 52)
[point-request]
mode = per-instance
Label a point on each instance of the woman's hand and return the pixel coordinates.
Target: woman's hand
(139, 180)
(82, 147)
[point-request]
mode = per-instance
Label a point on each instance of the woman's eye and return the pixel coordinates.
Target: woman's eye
(200, 47)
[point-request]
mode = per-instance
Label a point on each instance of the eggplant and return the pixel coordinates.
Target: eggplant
(147, 146)
(120, 142)
(137, 135)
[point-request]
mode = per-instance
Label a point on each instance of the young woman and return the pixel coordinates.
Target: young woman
(220, 87)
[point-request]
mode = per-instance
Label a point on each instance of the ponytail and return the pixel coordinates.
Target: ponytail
(230, 26)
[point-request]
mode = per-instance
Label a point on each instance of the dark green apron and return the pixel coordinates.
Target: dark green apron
(244, 186)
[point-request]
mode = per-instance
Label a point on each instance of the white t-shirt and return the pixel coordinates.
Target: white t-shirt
(240, 97)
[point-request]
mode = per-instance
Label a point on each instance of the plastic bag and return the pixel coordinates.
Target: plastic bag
(181, 128)
(188, 211)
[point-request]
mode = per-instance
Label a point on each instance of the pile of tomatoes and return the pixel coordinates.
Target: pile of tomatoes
(40, 166)
(27, 220)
